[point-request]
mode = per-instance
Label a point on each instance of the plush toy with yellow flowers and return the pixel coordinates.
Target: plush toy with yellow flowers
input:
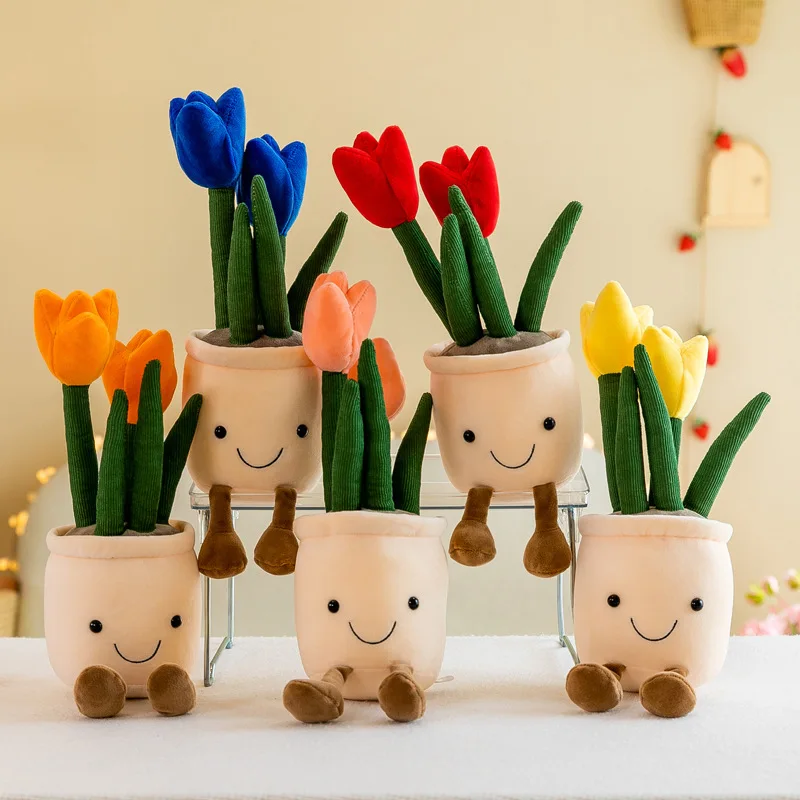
(654, 584)
(122, 610)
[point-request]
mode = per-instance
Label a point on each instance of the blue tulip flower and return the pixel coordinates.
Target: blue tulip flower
(284, 172)
(209, 137)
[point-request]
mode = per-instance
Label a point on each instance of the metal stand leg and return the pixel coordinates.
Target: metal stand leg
(572, 529)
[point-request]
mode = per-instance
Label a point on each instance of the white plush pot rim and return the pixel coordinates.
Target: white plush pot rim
(245, 357)
(368, 523)
(121, 546)
(495, 362)
(648, 526)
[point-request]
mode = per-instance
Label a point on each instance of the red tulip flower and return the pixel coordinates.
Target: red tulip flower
(378, 177)
(476, 177)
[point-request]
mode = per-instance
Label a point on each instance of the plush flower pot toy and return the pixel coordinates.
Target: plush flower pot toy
(259, 430)
(122, 588)
(505, 396)
(654, 584)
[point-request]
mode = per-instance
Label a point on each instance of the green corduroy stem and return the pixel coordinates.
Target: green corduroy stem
(462, 308)
(317, 263)
(220, 213)
(130, 436)
(111, 491)
(534, 295)
(608, 386)
(176, 451)
(629, 453)
(242, 308)
(664, 479)
(148, 452)
(485, 277)
(424, 265)
(376, 489)
(81, 455)
(708, 479)
(677, 433)
(407, 475)
(348, 455)
(270, 260)
(332, 387)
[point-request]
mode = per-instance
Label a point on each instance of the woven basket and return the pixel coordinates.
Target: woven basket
(720, 23)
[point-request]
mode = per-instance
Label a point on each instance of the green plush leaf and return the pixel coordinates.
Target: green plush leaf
(81, 455)
(710, 475)
(407, 475)
(462, 308)
(677, 433)
(220, 212)
(242, 311)
(609, 392)
(534, 295)
(270, 259)
(148, 452)
(485, 277)
(348, 455)
(333, 384)
(113, 464)
(318, 263)
(629, 453)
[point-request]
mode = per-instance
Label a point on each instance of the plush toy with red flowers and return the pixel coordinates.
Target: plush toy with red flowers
(505, 397)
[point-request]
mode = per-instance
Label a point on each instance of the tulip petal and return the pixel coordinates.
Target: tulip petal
(260, 158)
(665, 356)
(455, 159)
(81, 349)
(46, 311)
(366, 141)
(204, 148)
(482, 192)
(394, 158)
(328, 328)
(435, 180)
(75, 304)
(114, 372)
(203, 98)
(175, 106)
(105, 302)
(645, 316)
(230, 107)
(296, 159)
(362, 299)
(394, 385)
(586, 313)
(337, 278)
(694, 354)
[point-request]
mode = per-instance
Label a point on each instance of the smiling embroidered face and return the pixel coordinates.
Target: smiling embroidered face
(96, 627)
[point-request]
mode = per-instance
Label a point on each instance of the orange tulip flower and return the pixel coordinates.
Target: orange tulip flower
(75, 335)
(337, 320)
(394, 386)
(126, 368)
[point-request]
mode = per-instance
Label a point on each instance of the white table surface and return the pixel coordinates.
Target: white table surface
(503, 728)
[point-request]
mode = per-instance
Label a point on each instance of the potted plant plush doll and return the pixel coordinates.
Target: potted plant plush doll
(654, 583)
(505, 396)
(259, 430)
(122, 588)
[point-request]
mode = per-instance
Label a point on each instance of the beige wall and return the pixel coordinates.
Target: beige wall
(604, 102)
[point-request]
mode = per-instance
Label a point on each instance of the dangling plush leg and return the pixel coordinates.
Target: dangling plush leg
(171, 690)
(276, 551)
(472, 543)
(547, 553)
(595, 687)
(400, 696)
(99, 692)
(222, 553)
(668, 693)
(317, 701)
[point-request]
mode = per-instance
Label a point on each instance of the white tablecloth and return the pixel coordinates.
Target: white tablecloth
(503, 728)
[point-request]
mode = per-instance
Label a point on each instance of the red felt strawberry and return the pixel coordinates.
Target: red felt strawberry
(701, 429)
(687, 242)
(733, 61)
(378, 177)
(476, 177)
(723, 140)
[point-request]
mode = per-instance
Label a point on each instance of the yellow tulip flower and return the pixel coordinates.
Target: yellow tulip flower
(610, 329)
(679, 367)
(76, 335)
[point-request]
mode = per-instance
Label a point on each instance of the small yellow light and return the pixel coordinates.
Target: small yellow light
(19, 522)
(44, 475)
(98, 443)
(30, 497)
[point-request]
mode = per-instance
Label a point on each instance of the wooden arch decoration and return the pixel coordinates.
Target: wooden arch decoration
(738, 188)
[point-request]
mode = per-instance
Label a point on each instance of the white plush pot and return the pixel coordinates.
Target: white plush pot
(260, 396)
(656, 564)
(371, 564)
(504, 399)
(134, 586)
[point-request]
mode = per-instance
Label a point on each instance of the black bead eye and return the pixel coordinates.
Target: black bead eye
(549, 423)
(95, 626)
(176, 621)
(413, 603)
(333, 606)
(302, 431)
(613, 600)
(220, 432)
(697, 604)
(469, 436)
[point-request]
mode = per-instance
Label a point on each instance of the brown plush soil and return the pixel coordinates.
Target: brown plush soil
(488, 345)
(160, 530)
(221, 337)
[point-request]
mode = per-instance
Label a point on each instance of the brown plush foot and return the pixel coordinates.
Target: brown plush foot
(547, 554)
(99, 692)
(594, 687)
(317, 701)
(400, 696)
(171, 690)
(668, 694)
(276, 551)
(472, 543)
(222, 553)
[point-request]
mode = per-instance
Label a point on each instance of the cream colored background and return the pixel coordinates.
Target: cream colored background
(605, 102)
